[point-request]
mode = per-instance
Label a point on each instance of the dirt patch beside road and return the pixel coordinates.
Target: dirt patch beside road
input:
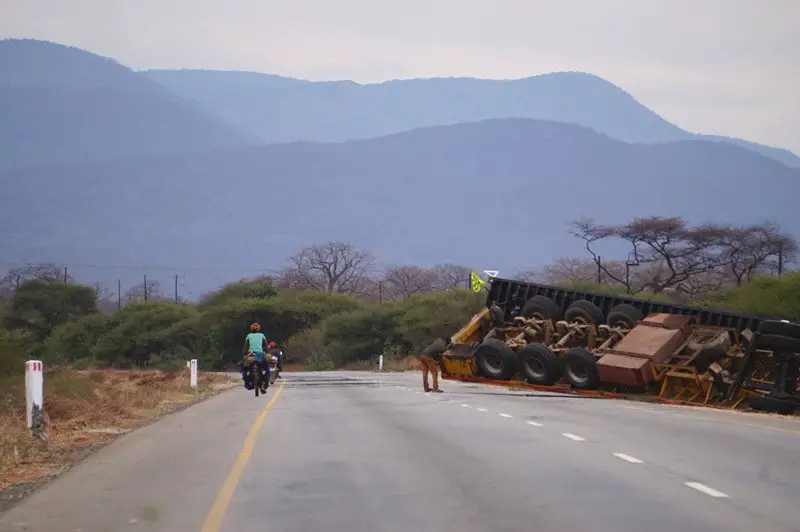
(85, 410)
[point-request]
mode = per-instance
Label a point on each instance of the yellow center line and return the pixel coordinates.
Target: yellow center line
(217, 513)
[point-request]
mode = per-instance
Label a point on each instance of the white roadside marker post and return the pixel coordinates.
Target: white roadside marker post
(380, 362)
(193, 377)
(34, 388)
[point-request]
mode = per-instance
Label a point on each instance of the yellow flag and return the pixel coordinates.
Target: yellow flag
(477, 283)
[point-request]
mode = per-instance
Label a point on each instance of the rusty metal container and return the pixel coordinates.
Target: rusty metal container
(653, 340)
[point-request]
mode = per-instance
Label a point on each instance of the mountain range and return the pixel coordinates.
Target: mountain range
(170, 179)
(64, 104)
(279, 109)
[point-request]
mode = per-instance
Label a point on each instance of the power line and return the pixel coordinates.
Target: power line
(136, 267)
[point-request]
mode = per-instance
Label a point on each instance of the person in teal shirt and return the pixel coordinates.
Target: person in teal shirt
(256, 343)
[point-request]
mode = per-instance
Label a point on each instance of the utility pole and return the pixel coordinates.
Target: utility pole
(780, 259)
(65, 275)
(176, 288)
(145, 288)
(119, 294)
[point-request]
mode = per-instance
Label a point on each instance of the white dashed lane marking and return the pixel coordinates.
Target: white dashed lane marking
(705, 489)
(711, 492)
(628, 458)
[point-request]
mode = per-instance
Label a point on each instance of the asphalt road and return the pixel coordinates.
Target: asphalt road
(368, 452)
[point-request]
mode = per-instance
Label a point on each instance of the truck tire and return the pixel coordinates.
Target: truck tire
(496, 360)
(580, 369)
(585, 311)
(542, 307)
(778, 336)
(777, 343)
(710, 351)
(780, 328)
(539, 365)
(498, 316)
(624, 316)
(773, 405)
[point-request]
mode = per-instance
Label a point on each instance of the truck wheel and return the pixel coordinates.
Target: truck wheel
(541, 307)
(711, 350)
(580, 369)
(496, 360)
(585, 311)
(624, 316)
(778, 336)
(539, 365)
(777, 343)
(780, 328)
(498, 315)
(772, 405)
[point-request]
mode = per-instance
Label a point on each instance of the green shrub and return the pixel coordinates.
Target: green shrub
(307, 345)
(12, 353)
(141, 331)
(259, 288)
(321, 362)
(75, 340)
(37, 307)
(424, 318)
(280, 317)
(363, 333)
(773, 297)
(82, 364)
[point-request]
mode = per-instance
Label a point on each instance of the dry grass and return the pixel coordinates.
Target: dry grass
(390, 363)
(86, 409)
(407, 363)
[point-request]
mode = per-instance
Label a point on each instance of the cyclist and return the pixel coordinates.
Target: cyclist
(256, 343)
(273, 350)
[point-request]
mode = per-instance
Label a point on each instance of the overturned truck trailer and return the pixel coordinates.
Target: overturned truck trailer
(570, 341)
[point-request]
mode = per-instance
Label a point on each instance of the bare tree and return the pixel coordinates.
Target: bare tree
(534, 275)
(450, 276)
(287, 278)
(756, 249)
(43, 272)
(368, 289)
(699, 285)
(405, 281)
(106, 300)
(679, 251)
(137, 293)
(330, 267)
(582, 270)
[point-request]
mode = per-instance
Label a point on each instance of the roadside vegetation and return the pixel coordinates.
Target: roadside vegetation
(332, 307)
(110, 370)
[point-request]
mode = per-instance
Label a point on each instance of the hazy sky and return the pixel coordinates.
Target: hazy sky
(728, 67)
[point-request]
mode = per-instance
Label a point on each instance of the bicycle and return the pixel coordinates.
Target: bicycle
(255, 373)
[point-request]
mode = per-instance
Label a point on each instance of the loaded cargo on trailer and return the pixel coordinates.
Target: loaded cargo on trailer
(571, 341)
